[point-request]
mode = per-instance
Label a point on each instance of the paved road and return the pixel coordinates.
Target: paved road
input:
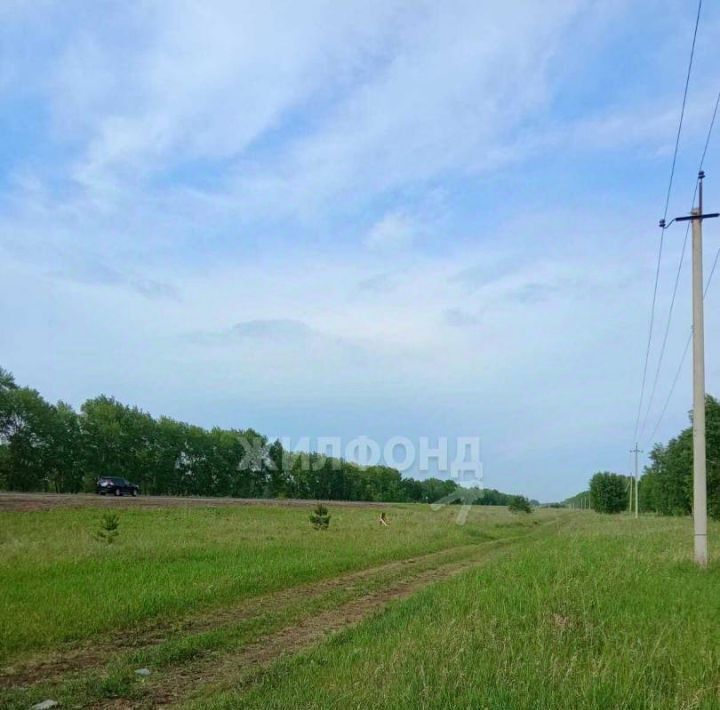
(47, 501)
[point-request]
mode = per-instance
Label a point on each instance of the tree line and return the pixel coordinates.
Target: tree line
(51, 447)
(579, 501)
(607, 492)
(666, 485)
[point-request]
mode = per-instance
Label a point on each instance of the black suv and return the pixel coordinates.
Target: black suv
(116, 486)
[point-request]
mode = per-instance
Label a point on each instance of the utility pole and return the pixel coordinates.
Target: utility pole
(699, 473)
(635, 451)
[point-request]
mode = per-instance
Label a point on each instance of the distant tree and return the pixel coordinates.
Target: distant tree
(579, 500)
(4, 466)
(412, 490)
(608, 492)
(7, 381)
(27, 422)
(490, 496)
(277, 481)
(519, 504)
(64, 458)
(435, 489)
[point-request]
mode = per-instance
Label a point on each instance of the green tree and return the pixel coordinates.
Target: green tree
(64, 458)
(7, 381)
(118, 441)
(608, 492)
(27, 427)
(666, 485)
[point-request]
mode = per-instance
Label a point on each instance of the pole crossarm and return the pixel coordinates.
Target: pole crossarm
(709, 215)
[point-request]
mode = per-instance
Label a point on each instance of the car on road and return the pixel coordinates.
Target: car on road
(112, 485)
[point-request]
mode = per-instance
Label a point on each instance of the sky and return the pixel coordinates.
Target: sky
(381, 218)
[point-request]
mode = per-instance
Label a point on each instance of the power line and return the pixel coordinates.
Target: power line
(677, 278)
(677, 275)
(651, 398)
(684, 355)
(662, 233)
(709, 133)
(682, 110)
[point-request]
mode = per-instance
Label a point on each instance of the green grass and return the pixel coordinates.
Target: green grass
(591, 612)
(60, 584)
(607, 612)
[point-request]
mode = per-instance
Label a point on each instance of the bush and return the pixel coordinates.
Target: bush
(608, 492)
(519, 504)
(320, 517)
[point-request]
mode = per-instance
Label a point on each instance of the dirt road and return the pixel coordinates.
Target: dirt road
(278, 625)
(47, 501)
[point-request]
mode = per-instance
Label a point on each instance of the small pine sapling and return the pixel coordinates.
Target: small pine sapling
(109, 528)
(320, 518)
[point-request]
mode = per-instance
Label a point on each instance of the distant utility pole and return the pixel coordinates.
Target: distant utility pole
(630, 493)
(699, 474)
(636, 451)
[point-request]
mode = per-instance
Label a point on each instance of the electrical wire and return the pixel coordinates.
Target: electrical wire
(679, 270)
(662, 233)
(684, 355)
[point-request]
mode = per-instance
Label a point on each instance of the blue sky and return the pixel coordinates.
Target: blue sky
(335, 219)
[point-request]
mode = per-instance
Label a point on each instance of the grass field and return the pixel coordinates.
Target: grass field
(608, 613)
(65, 585)
(249, 607)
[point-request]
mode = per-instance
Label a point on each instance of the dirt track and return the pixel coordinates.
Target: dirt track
(47, 501)
(350, 598)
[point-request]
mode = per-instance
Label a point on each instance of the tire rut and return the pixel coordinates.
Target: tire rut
(394, 580)
(74, 659)
(218, 673)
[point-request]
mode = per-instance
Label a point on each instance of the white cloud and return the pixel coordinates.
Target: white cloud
(394, 231)
(455, 88)
(278, 330)
(206, 79)
(460, 318)
(396, 91)
(209, 167)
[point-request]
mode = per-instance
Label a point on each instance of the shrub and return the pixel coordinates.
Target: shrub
(519, 504)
